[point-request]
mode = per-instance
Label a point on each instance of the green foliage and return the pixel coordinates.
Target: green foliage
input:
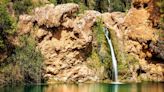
(100, 59)
(70, 1)
(99, 5)
(10, 74)
(100, 55)
(96, 62)
(29, 59)
(99, 31)
(125, 60)
(6, 25)
(125, 67)
(109, 5)
(119, 50)
(53, 1)
(76, 1)
(160, 4)
(25, 64)
(120, 5)
(82, 8)
(22, 6)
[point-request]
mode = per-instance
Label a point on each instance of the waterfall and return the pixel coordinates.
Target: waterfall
(114, 61)
(109, 7)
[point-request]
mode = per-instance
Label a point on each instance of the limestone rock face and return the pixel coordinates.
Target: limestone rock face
(52, 16)
(64, 40)
(66, 48)
(25, 24)
(139, 36)
(151, 7)
(139, 33)
(134, 37)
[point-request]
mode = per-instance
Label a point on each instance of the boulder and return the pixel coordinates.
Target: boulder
(52, 16)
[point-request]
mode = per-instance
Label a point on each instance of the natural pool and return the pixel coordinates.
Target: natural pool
(139, 87)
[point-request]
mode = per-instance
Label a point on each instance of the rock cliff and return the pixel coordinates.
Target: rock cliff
(136, 43)
(64, 39)
(68, 40)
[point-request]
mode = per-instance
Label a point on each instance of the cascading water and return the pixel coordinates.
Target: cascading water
(114, 61)
(109, 7)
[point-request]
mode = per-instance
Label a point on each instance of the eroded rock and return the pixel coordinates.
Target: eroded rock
(52, 16)
(66, 41)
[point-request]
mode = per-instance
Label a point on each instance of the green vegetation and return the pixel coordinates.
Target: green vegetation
(125, 60)
(25, 6)
(100, 55)
(64, 1)
(24, 65)
(160, 4)
(29, 59)
(53, 1)
(22, 6)
(126, 69)
(6, 26)
(119, 50)
(120, 5)
(99, 5)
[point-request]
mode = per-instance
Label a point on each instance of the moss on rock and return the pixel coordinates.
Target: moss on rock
(100, 57)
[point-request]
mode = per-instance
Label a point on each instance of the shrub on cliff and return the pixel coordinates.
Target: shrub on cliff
(24, 65)
(100, 55)
(6, 26)
(53, 1)
(120, 5)
(160, 4)
(99, 5)
(22, 6)
(29, 60)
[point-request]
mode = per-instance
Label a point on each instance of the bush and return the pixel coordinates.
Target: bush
(25, 64)
(22, 6)
(120, 5)
(160, 4)
(53, 1)
(6, 26)
(10, 74)
(29, 60)
(99, 5)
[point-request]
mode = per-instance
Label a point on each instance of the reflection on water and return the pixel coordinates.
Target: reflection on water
(141, 87)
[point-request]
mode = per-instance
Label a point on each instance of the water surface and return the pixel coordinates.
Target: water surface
(140, 87)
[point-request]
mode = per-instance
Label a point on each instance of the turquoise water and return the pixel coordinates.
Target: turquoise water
(140, 87)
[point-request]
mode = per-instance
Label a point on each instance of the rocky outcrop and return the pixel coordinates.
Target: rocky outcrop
(137, 42)
(64, 40)
(138, 39)
(54, 16)
(135, 33)
(152, 7)
(67, 42)
(66, 48)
